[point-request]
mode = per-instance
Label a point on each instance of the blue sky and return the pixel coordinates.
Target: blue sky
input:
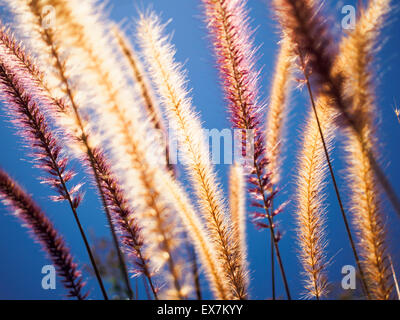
(21, 261)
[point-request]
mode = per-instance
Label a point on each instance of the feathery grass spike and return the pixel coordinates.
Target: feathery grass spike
(357, 51)
(311, 211)
(33, 218)
(277, 109)
(170, 82)
(228, 24)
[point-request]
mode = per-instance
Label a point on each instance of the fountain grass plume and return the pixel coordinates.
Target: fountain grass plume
(310, 215)
(34, 219)
(229, 27)
(277, 109)
(169, 80)
(356, 63)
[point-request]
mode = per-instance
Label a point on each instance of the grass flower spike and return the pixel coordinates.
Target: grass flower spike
(139, 75)
(277, 109)
(231, 34)
(204, 247)
(47, 152)
(311, 212)
(168, 77)
(366, 205)
(237, 204)
(33, 218)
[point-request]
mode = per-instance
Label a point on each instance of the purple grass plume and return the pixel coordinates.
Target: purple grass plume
(235, 53)
(123, 217)
(25, 114)
(33, 218)
(313, 42)
(229, 27)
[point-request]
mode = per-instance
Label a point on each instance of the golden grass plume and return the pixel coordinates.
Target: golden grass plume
(277, 109)
(310, 215)
(356, 63)
(170, 83)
